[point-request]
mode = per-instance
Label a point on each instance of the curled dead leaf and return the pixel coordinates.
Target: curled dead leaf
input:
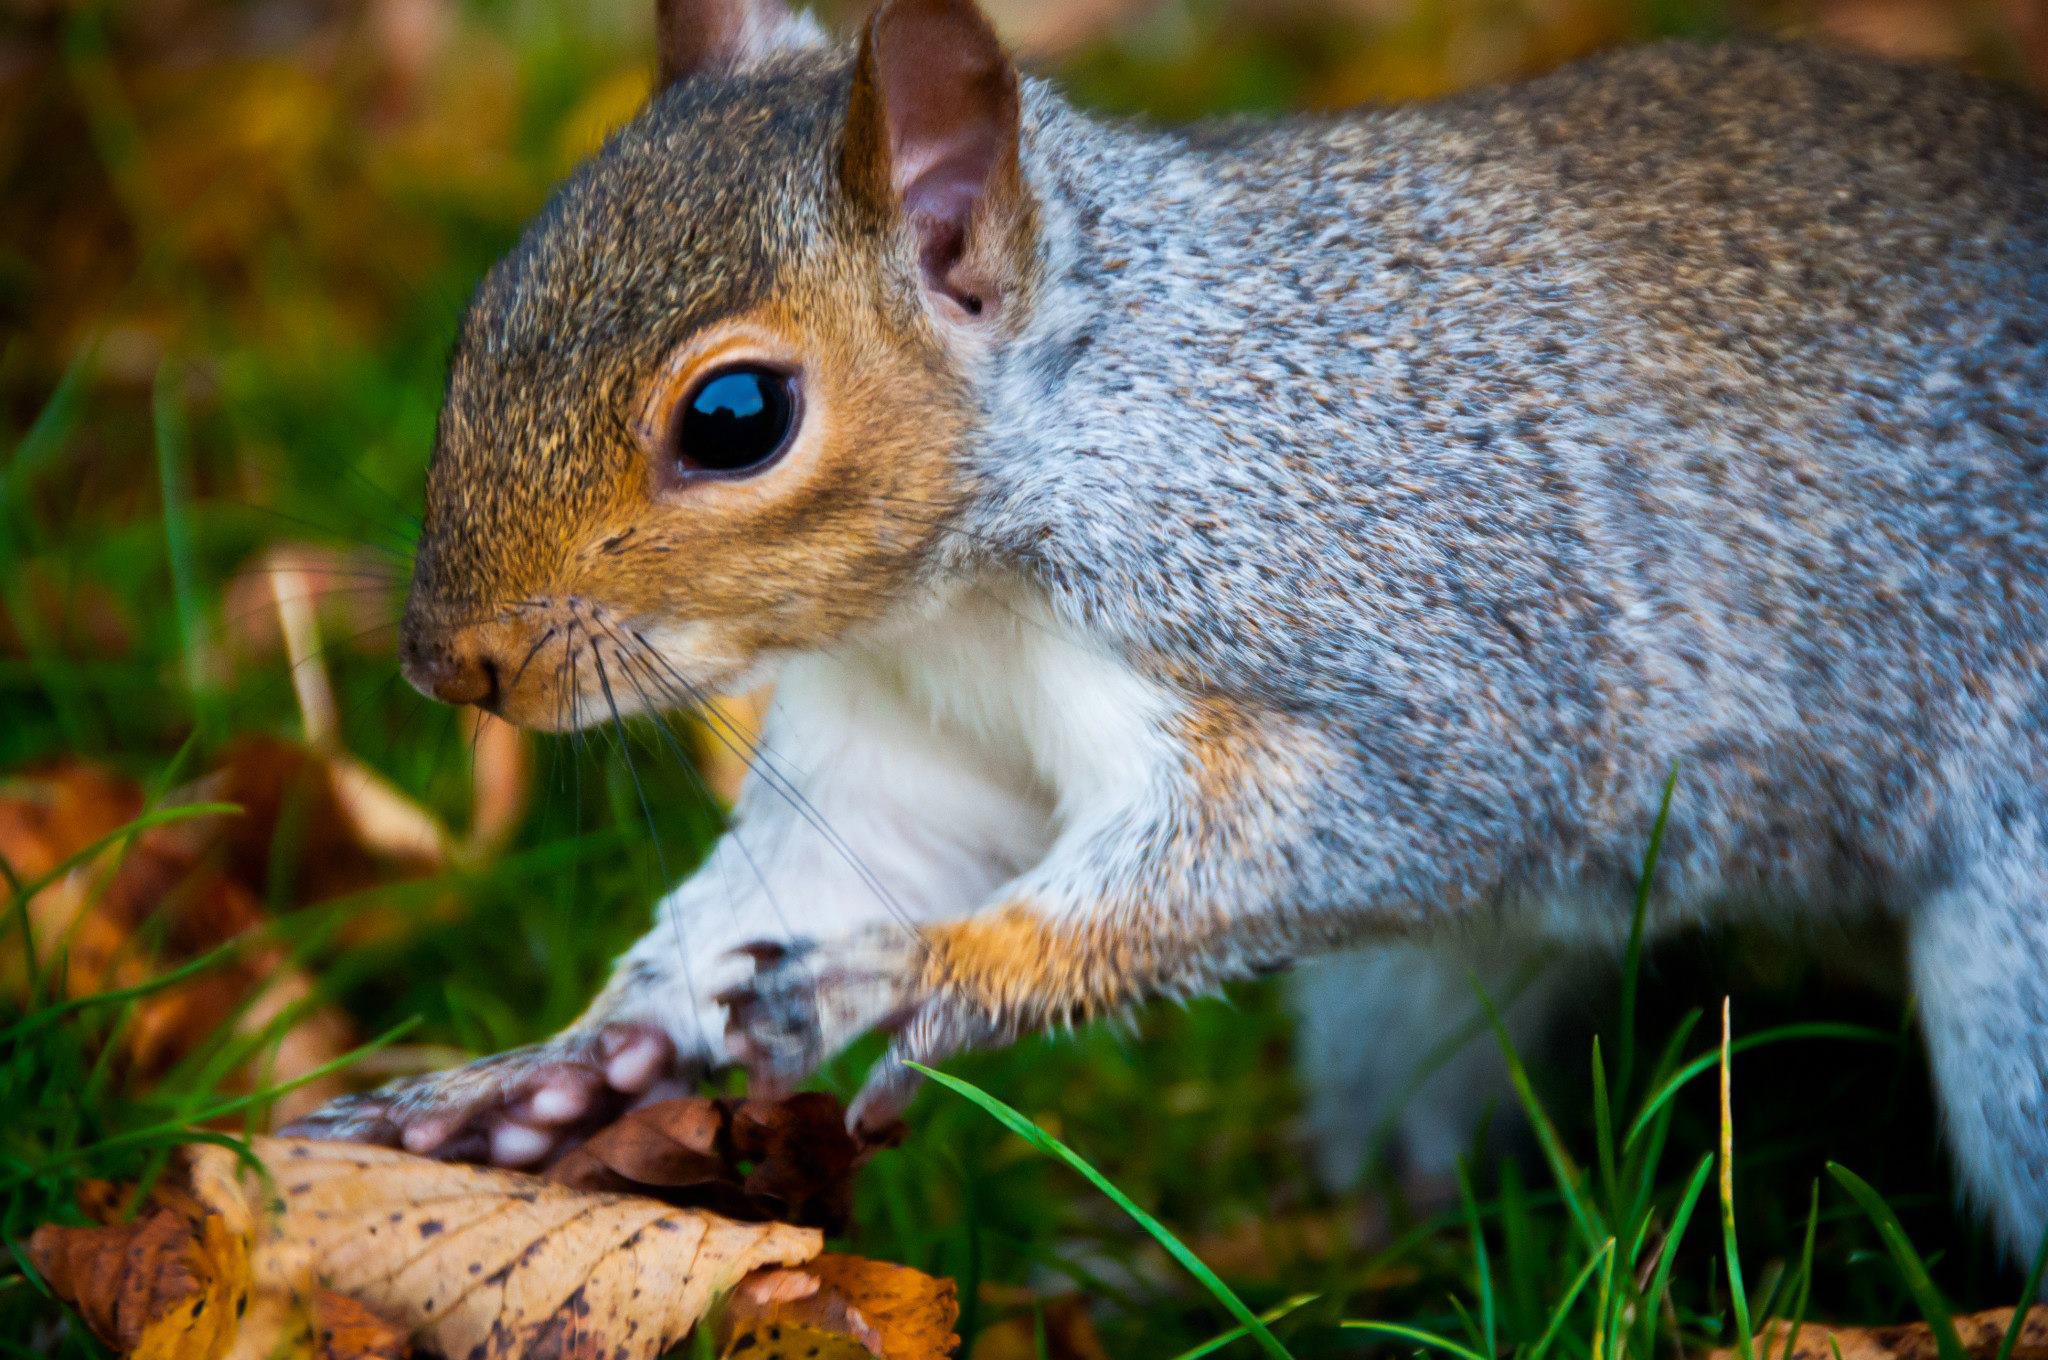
(843, 1305)
(789, 1160)
(184, 1280)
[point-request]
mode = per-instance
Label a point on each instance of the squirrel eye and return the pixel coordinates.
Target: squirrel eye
(736, 420)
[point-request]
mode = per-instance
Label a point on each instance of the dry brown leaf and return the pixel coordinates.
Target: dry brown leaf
(789, 1160)
(124, 1279)
(184, 1280)
(352, 1253)
(177, 891)
(483, 1264)
(846, 1305)
(1981, 1335)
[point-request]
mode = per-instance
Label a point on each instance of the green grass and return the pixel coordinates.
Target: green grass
(220, 400)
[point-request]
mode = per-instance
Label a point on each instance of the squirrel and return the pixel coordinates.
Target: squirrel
(1182, 552)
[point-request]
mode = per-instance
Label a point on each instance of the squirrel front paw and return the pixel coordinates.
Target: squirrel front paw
(809, 999)
(515, 1109)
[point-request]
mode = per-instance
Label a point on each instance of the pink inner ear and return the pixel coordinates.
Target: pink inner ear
(940, 201)
(949, 101)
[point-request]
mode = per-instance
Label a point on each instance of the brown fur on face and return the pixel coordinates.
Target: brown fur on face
(561, 543)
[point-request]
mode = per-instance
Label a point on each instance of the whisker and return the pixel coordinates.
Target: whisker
(531, 653)
(942, 526)
(271, 603)
(782, 785)
(375, 695)
(358, 573)
(403, 549)
(631, 659)
(407, 518)
(646, 811)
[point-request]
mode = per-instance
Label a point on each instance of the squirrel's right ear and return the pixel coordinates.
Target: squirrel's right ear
(931, 146)
(723, 35)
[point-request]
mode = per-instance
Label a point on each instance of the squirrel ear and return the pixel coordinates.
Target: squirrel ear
(722, 35)
(931, 140)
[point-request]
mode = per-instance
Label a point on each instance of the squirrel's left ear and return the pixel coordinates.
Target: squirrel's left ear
(931, 146)
(723, 35)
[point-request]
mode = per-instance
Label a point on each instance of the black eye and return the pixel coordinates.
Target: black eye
(737, 420)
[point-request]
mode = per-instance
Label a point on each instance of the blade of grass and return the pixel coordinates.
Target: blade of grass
(1603, 1137)
(1632, 967)
(1439, 1055)
(1521, 1261)
(1562, 1168)
(35, 1020)
(1631, 1269)
(2027, 1297)
(174, 478)
(1415, 1334)
(158, 817)
(1805, 1293)
(1480, 1263)
(1642, 1160)
(1270, 1316)
(1571, 1296)
(1743, 1342)
(1024, 1128)
(1822, 1029)
(1933, 1308)
(182, 1128)
(1465, 1319)
(47, 433)
(1600, 1307)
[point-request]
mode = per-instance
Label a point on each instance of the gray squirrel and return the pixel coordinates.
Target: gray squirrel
(1183, 552)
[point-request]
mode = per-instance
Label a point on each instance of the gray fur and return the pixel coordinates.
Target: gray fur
(1690, 405)
(1479, 461)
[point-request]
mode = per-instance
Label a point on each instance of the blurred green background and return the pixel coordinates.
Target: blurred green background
(237, 238)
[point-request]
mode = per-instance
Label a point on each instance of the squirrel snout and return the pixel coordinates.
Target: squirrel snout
(461, 672)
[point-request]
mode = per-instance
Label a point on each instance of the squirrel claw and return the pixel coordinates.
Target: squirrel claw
(516, 1109)
(809, 999)
(940, 1028)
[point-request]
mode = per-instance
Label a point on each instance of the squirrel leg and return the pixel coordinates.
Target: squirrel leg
(1395, 1053)
(1167, 885)
(1977, 950)
(877, 832)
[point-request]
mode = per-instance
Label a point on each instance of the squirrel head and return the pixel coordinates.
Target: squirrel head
(713, 410)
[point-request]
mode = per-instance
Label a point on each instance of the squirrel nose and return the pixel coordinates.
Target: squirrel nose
(453, 674)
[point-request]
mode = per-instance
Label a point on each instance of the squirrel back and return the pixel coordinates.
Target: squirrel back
(1692, 399)
(1688, 399)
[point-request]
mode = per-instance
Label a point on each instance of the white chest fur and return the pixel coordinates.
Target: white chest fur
(991, 676)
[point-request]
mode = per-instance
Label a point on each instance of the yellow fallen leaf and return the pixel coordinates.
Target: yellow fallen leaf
(843, 1306)
(482, 1264)
(185, 1280)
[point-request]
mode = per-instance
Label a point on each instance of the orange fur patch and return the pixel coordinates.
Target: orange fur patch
(1014, 963)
